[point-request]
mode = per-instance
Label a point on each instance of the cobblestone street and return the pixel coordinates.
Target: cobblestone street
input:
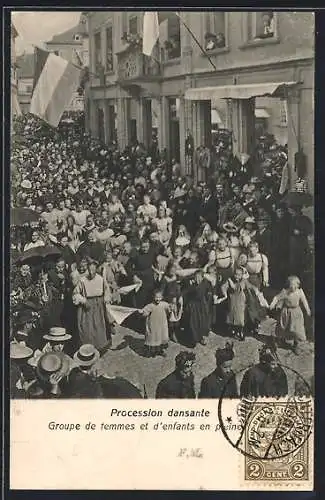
(127, 359)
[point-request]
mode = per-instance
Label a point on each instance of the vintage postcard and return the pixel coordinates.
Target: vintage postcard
(162, 250)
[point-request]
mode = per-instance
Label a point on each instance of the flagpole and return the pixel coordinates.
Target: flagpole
(197, 41)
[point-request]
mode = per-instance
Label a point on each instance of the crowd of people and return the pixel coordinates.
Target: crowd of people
(94, 227)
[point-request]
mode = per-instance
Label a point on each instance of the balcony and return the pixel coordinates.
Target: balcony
(134, 66)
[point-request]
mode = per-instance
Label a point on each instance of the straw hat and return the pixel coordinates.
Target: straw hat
(33, 361)
(249, 220)
(57, 334)
(20, 350)
(230, 227)
(87, 355)
(52, 363)
(26, 184)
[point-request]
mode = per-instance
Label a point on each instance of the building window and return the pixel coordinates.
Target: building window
(56, 52)
(29, 89)
(173, 43)
(261, 25)
(109, 49)
(215, 30)
(77, 38)
(98, 51)
(133, 25)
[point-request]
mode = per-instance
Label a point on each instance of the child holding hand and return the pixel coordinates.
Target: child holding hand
(157, 333)
(291, 323)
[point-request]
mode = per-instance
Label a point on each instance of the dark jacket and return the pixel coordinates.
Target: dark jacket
(216, 385)
(174, 387)
(81, 385)
(118, 388)
(259, 381)
(264, 241)
(210, 210)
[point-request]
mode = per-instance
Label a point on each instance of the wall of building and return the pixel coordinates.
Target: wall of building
(287, 56)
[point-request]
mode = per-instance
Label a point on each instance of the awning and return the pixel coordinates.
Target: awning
(237, 91)
(261, 113)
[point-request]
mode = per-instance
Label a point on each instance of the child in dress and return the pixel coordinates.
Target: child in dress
(171, 289)
(157, 333)
(235, 290)
(291, 324)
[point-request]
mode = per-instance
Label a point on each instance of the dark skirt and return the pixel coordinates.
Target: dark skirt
(197, 320)
(224, 274)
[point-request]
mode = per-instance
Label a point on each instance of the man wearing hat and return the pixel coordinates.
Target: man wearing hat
(222, 381)
(82, 381)
(267, 378)
(56, 338)
(51, 371)
(19, 354)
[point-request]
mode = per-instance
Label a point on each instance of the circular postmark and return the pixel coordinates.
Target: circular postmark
(268, 428)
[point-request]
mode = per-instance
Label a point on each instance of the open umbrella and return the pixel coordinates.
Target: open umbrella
(20, 216)
(39, 255)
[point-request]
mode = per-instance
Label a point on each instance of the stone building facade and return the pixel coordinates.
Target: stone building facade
(261, 52)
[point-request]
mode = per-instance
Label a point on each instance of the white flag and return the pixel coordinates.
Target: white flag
(150, 32)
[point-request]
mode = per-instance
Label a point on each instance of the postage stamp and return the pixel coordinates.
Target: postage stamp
(274, 435)
(277, 434)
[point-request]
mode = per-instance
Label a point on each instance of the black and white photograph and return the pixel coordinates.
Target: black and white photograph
(162, 204)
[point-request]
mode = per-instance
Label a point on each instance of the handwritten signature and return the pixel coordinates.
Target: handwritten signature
(190, 453)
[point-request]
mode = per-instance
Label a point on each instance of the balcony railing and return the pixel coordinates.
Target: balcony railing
(134, 65)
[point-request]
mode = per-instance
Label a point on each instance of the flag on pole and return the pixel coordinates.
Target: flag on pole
(55, 80)
(150, 32)
(151, 28)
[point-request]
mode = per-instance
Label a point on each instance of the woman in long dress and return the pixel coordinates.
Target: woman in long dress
(196, 309)
(89, 295)
(291, 323)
